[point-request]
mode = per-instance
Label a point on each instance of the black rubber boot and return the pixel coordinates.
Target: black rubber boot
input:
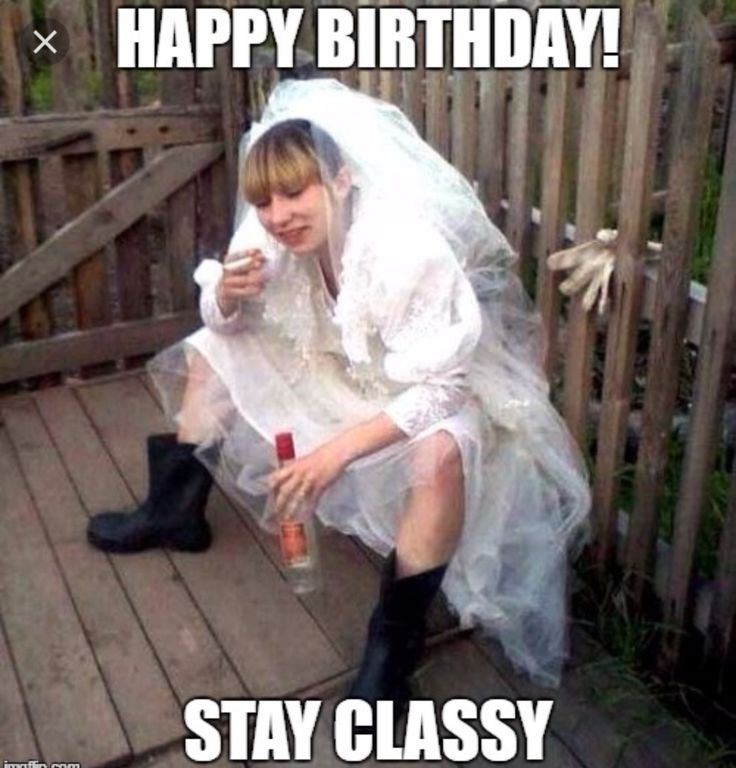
(396, 634)
(173, 514)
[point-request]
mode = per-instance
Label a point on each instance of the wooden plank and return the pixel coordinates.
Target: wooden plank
(519, 213)
(641, 134)
(104, 49)
(464, 122)
(438, 133)
(715, 362)
(349, 77)
(368, 78)
(125, 87)
(53, 215)
(389, 86)
(250, 607)
(107, 218)
(132, 258)
(148, 710)
(592, 183)
(620, 115)
(72, 715)
(459, 670)
(70, 351)
(71, 75)
(185, 646)
(11, 22)
(178, 87)
(89, 277)
(555, 183)
(491, 140)
(694, 100)
(35, 317)
(662, 8)
(390, 80)
(236, 111)
(5, 253)
(213, 221)
(52, 189)
(16, 736)
(413, 82)
(24, 138)
(5, 236)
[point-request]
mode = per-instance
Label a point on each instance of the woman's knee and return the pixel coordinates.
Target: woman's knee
(440, 455)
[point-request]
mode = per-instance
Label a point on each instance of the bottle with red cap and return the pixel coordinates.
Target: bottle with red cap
(297, 536)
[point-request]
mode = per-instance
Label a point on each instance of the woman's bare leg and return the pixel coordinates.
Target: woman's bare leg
(431, 524)
(428, 533)
(198, 417)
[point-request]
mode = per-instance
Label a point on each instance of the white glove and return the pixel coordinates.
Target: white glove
(592, 265)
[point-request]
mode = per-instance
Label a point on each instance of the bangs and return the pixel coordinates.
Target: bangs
(282, 169)
(285, 160)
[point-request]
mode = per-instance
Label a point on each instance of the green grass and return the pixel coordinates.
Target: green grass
(624, 689)
(41, 92)
(714, 509)
(703, 250)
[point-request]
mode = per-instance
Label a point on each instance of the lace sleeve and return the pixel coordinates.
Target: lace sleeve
(207, 276)
(430, 323)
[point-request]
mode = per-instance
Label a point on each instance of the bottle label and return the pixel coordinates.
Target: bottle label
(294, 549)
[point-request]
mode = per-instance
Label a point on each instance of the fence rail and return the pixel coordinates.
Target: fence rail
(104, 213)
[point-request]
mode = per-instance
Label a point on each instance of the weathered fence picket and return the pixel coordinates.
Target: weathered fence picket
(636, 188)
(554, 189)
(593, 173)
(490, 163)
(520, 135)
(690, 133)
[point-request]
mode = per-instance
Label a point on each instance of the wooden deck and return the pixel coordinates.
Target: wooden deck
(98, 654)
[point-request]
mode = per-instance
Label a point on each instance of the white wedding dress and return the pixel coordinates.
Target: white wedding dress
(438, 339)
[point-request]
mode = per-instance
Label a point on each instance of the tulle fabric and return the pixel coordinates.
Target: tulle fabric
(526, 495)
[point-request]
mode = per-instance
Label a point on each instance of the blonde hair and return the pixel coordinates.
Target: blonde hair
(287, 158)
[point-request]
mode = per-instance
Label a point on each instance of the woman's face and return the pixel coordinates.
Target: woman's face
(303, 221)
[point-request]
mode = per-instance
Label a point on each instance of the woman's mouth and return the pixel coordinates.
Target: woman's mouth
(292, 236)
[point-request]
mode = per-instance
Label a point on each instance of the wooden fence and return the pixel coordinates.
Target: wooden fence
(103, 215)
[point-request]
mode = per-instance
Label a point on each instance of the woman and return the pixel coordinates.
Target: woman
(377, 317)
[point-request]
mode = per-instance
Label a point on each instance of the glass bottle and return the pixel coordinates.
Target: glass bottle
(297, 535)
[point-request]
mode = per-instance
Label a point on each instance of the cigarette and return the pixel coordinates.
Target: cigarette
(239, 264)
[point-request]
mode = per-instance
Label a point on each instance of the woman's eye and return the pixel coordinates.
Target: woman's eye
(294, 194)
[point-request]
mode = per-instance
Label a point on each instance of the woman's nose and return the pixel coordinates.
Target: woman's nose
(279, 211)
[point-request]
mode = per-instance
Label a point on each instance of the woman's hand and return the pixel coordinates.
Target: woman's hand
(304, 480)
(240, 282)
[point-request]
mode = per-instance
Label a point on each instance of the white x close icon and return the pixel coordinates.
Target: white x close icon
(44, 41)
